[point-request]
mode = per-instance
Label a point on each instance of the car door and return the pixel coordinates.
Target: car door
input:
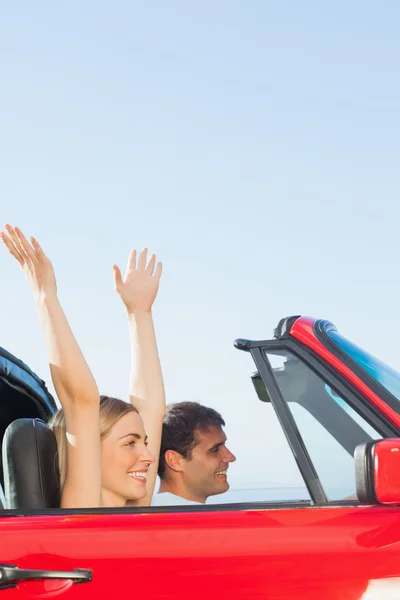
(275, 552)
(329, 547)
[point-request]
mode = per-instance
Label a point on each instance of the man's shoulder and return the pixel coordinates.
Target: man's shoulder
(168, 499)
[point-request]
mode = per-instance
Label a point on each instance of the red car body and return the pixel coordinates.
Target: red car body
(313, 550)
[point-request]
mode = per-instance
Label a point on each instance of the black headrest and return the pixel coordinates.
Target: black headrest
(31, 477)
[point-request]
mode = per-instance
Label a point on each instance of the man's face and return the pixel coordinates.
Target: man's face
(205, 472)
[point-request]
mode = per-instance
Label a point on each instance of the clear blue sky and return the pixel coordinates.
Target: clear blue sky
(254, 146)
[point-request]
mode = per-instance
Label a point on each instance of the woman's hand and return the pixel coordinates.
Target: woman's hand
(37, 268)
(139, 288)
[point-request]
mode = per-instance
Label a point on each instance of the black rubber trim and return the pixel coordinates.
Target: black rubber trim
(363, 462)
(207, 508)
(243, 344)
(370, 457)
(321, 328)
(282, 330)
(290, 429)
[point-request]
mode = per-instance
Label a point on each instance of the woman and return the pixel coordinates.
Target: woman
(105, 456)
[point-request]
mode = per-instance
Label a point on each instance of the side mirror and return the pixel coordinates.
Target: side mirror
(260, 388)
(377, 467)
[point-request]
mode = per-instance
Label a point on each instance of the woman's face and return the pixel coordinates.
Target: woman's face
(125, 461)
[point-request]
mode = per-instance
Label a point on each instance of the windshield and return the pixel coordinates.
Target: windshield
(389, 378)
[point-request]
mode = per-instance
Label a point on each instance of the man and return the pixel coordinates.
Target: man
(194, 459)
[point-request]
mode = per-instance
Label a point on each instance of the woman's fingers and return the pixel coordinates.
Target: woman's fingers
(16, 240)
(151, 265)
(19, 246)
(27, 248)
(131, 266)
(142, 260)
(117, 277)
(12, 249)
(37, 248)
(138, 265)
(158, 271)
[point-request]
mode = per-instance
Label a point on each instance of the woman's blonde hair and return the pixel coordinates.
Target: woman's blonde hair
(111, 410)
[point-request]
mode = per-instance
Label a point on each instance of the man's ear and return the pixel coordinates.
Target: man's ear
(174, 460)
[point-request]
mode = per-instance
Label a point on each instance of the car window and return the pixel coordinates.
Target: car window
(329, 426)
(265, 469)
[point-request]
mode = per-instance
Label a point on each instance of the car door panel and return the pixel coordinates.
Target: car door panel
(277, 553)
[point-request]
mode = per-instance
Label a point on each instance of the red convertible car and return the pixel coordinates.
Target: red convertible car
(327, 547)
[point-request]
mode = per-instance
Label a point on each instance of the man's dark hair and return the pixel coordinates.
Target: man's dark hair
(179, 428)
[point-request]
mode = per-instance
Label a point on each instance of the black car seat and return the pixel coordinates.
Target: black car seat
(30, 467)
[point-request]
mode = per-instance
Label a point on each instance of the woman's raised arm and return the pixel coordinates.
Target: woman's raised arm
(138, 290)
(72, 379)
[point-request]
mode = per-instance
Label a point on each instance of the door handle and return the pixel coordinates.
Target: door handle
(11, 575)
